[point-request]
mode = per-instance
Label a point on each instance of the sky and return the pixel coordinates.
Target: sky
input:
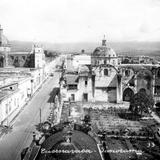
(65, 21)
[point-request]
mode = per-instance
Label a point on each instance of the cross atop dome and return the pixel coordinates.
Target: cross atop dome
(104, 41)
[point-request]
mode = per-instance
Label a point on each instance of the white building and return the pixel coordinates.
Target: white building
(38, 56)
(12, 98)
(81, 59)
(74, 61)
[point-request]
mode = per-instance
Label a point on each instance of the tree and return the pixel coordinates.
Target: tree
(125, 61)
(49, 53)
(141, 103)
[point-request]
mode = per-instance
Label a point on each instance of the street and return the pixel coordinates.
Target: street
(20, 137)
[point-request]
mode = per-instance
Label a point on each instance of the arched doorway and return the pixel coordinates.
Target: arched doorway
(127, 94)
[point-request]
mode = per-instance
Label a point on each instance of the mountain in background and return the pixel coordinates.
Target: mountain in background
(127, 48)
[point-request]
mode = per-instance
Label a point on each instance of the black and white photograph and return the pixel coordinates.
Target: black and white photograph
(79, 79)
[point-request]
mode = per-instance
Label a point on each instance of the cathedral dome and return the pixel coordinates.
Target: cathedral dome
(104, 51)
(104, 55)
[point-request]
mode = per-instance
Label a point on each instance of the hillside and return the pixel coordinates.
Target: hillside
(129, 48)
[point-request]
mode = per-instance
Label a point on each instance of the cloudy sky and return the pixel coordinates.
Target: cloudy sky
(80, 20)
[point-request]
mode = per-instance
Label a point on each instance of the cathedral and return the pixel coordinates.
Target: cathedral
(33, 59)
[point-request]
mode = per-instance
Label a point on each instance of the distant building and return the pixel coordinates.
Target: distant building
(81, 59)
(74, 61)
(20, 59)
(37, 57)
(33, 59)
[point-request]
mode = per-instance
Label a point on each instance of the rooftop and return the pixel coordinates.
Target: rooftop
(79, 141)
(104, 52)
(71, 79)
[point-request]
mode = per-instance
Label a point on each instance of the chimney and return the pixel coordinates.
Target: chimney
(1, 32)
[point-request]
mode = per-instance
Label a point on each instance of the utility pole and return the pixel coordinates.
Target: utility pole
(7, 113)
